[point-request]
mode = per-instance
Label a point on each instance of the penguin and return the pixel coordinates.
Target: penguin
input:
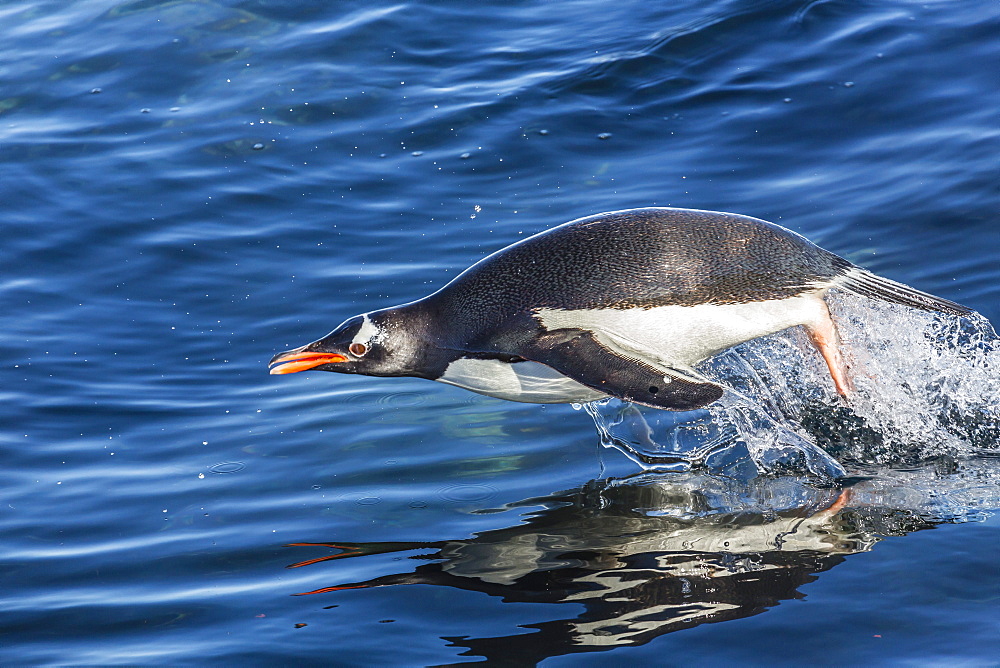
(622, 304)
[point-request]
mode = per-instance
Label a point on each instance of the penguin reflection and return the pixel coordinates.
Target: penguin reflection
(644, 556)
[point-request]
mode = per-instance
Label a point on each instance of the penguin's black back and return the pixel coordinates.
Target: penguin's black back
(640, 258)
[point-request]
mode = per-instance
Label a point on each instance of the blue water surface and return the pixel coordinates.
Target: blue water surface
(190, 186)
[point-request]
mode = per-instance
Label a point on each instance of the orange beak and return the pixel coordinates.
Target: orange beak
(296, 360)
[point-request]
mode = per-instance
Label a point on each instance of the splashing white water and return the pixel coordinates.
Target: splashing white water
(927, 386)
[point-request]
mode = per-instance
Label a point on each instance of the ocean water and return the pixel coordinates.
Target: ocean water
(190, 186)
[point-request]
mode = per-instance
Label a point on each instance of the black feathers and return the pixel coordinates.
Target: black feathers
(864, 283)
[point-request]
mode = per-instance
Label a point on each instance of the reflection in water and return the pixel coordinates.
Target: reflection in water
(743, 502)
(657, 553)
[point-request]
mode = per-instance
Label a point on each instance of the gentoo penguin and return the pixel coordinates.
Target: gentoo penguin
(622, 304)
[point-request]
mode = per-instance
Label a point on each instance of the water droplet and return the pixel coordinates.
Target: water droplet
(604, 135)
(145, 110)
(95, 91)
(465, 156)
(368, 501)
(543, 132)
(417, 154)
(258, 146)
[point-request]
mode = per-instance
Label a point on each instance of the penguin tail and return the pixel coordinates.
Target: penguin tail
(867, 284)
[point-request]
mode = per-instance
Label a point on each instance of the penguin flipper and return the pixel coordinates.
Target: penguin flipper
(584, 359)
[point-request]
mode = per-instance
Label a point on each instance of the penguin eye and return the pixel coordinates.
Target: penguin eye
(357, 349)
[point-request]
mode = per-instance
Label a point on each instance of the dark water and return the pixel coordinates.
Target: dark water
(189, 187)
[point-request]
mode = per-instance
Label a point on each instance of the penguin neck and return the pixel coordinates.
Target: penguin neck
(420, 340)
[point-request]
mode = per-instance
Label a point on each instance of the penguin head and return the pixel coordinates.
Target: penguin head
(371, 344)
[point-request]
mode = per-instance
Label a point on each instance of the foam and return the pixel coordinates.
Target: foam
(927, 388)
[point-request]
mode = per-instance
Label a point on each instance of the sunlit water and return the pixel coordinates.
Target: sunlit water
(189, 186)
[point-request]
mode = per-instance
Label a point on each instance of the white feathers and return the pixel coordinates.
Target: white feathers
(529, 382)
(368, 333)
(679, 337)
(673, 338)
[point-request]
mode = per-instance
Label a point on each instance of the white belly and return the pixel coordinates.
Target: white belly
(675, 337)
(529, 382)
(682, 336)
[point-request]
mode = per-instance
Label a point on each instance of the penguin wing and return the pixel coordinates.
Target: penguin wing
(583, 358)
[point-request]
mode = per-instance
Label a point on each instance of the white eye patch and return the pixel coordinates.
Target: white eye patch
(368, 334)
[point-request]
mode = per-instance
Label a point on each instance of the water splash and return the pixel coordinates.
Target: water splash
(927, 389)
